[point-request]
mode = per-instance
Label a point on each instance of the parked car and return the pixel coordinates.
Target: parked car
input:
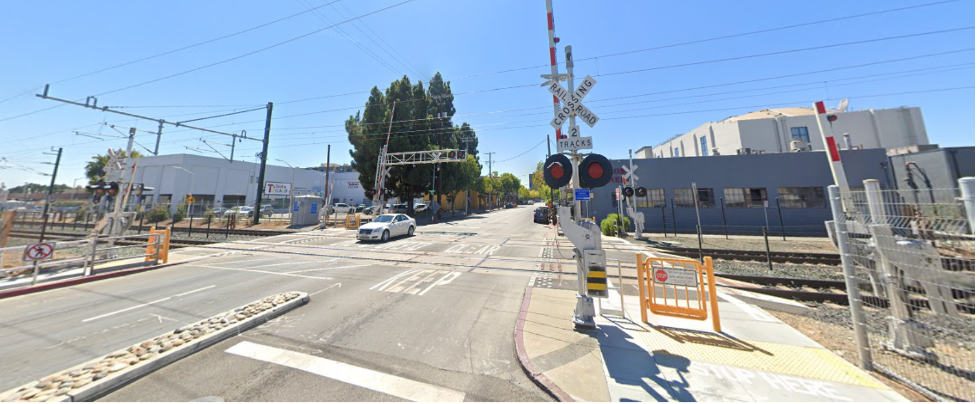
(400, 208)
(267, 210)
(421, 207)
(541, 215)
(386, 226)
(509, 205)
(247, 211)
(219, 211)
(343, 208)
(361, 208)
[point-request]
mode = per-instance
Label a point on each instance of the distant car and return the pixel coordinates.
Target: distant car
(267, 210)
(343, 208)
(541, 215)
(421, 207)
(219, 211)
(242, 211)
(509, 205)
(361, 208)
(386, 226)
(400, 208)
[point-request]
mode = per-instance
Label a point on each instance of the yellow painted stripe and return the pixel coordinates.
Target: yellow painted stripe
(597, 286)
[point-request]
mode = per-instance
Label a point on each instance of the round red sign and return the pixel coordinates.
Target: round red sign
(661, 275)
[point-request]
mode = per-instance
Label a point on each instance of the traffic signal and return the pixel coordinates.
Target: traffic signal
(452, 154)
(98, 188)
(373, 192)
(557, 171)
(96, 198)
(462, 154)
(113, 189)
(628, 192)
(641, 192)
(595, 171)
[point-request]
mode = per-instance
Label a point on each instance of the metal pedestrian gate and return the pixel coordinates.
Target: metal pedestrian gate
(685, 281)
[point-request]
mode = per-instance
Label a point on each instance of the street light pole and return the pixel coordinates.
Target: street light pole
(190, 191)
(74, 184)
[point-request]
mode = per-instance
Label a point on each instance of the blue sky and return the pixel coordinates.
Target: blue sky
(48, 42)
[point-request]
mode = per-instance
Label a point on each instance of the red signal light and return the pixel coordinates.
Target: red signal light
(595, 170)
(556, 170)
(832, 118)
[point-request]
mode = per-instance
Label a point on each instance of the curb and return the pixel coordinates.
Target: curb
(80, 280)
(528, 367)
(116, 380)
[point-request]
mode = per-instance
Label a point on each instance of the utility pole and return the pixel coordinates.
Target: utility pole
(490, 154)
(265, 156)
(159, 133)
(47, 202)
(326, 185)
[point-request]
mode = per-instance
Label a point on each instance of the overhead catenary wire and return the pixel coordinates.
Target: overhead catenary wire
(606, 74)
(275, 45)
(350, 39)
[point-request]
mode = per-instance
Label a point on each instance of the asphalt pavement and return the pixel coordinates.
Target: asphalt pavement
(429, 317)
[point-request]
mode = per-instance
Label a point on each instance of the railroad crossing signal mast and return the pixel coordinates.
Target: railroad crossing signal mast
(584, 171)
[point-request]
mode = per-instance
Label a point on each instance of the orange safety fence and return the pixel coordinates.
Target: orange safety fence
(161, 254)
(686, 280)
(353, 221)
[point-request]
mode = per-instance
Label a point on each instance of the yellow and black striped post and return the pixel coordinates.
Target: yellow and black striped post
(594, 263)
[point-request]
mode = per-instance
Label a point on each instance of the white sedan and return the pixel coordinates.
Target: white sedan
(384, 227)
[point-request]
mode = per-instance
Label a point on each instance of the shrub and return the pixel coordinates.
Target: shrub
(159, 213)
(612, 223)
(82, 214)
(208, 216)
(181, 213)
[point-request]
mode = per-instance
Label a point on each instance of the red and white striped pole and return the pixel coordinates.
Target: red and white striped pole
(824, 121)
(550, 43)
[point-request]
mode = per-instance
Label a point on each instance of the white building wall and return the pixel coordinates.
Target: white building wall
(887, 128)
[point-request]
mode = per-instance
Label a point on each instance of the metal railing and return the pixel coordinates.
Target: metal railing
(83, 254)
(916, 319)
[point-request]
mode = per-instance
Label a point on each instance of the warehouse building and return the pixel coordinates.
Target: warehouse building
(784, 130)
(218, 182)
(785, 192)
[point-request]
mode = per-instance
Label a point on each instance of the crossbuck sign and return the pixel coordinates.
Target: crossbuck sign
(572, 103)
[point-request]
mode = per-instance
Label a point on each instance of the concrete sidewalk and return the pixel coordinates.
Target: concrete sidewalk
(755, 358)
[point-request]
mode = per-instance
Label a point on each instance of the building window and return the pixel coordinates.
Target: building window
(745, 197)
(801, 132)
(655, 198)
(703, 146)
(683, 197)
(802, 197)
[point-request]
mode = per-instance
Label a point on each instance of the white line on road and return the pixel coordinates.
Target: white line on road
(196, 290)
(145, 304)
(357, 376)
(264, 272)
(327, 269)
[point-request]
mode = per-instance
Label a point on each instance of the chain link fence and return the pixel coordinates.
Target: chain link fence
(909, 260)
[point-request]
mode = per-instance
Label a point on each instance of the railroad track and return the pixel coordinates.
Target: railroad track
(214, 230)
(174, 243)
(740, 255)
(833, 291)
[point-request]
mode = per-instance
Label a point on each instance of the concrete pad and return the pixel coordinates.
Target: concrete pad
(583, 379)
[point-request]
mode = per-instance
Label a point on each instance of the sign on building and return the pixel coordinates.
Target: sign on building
(277, 188)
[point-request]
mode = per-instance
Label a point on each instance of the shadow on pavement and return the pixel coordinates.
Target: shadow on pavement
(629, 364)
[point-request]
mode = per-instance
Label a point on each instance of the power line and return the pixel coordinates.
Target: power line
(667, 92)
(349, 38)
(252, 52)
(783, 52)
(766, 30)
(521, 154)
(190, 46)
(412, 66)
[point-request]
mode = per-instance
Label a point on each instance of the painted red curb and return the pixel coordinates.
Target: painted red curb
(80, 280)
(536, 376)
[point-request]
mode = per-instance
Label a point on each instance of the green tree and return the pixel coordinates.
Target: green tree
(95, 168)
(416, 126)
(509, 184)
(21, 189)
